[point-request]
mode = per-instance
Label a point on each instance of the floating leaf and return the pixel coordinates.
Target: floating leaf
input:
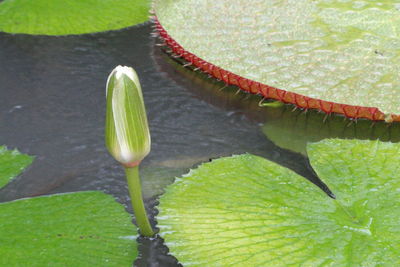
(76, 229)
(337, 56)
(248, 211)
(12, 163)
(58, 17)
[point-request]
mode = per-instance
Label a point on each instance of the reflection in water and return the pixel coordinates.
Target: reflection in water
(208, 89)
(294, 129)
(285, 126)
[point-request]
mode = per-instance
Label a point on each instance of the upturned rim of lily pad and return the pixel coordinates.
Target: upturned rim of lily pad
(266, 91)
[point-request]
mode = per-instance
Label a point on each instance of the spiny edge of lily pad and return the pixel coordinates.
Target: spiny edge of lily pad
(266, 91)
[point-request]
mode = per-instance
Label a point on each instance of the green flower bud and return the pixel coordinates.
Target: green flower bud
(127, 131)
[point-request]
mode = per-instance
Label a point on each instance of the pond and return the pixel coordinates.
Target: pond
(52, 105)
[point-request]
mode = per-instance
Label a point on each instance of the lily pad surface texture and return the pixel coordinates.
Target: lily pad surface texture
(334, 55)
(60, 17)
(74, 229)
(248, 211)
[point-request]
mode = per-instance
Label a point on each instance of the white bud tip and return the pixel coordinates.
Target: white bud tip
(118, 71)
(128, 71)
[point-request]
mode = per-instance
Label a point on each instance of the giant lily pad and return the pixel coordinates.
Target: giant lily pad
(248, 211)
(12, 163)
(336, 56)
(59, 17)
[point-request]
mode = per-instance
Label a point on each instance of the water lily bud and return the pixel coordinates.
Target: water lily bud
(127, 131)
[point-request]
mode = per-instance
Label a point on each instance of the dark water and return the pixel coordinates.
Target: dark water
(52, 105)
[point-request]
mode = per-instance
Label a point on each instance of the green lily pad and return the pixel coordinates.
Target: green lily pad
(344, 52)
(248, 211)
(76, 229)
(58, 17)
(12, 163)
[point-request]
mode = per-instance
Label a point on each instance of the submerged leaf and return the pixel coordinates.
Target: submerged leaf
(248, 211)
(59, 17)
(76, 229)
(343, 52)
(12, 163)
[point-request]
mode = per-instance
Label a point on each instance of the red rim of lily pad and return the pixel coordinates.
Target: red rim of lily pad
(250, 86)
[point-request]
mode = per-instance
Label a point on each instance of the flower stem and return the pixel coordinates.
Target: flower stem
(135, 191)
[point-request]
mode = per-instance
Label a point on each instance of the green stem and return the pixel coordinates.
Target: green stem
(135, 191)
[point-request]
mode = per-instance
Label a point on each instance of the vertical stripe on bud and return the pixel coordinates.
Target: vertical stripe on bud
(127, 131)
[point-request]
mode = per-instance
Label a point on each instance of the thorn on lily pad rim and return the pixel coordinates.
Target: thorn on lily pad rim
(250, 86)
